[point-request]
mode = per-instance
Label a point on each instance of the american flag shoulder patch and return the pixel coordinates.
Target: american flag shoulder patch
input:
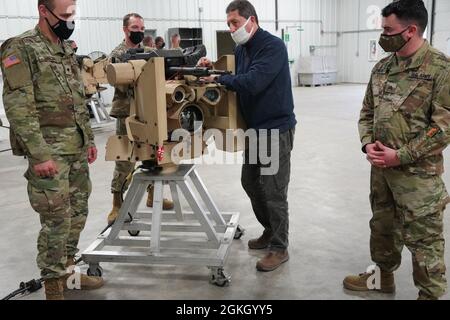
(11, 61)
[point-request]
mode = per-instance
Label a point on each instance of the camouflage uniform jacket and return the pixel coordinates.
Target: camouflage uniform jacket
(407, 108)
(122, 99)
(44, 98)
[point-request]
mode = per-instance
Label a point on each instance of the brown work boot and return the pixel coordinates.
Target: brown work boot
(54, 289)
(425, 296)
(70, 261)
(85, 282)
(117, 204)
(167, 204)
(262, 242)
(359, 283)
(272, 260)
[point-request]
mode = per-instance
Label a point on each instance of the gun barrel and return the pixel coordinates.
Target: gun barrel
(220, 72)
(198, 71)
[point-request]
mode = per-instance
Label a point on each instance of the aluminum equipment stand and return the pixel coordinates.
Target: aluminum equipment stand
(199, 238)
(99, 109)
(2, 126)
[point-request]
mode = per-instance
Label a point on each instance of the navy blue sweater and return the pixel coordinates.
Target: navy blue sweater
(263, 83)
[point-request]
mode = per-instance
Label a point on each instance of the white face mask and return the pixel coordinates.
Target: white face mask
(241, 36)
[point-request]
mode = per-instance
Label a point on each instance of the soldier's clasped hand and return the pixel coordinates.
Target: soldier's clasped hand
(46, 169)
(381, 156)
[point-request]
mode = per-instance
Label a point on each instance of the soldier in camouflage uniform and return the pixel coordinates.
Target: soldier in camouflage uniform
(404, 127)
(133, 27)
(44, 102)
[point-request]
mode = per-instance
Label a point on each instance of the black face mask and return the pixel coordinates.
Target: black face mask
(62, 29)
(136, 37)
(162, 45)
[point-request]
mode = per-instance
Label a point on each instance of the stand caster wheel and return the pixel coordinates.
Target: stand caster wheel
(129, 219)
(239, 233)
(95, 271)
(219, 278)
(134, 233)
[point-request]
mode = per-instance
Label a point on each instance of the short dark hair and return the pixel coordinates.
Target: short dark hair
(159, 39)
(408, 11)
(126, 19)
(245, 8)
(48, 3)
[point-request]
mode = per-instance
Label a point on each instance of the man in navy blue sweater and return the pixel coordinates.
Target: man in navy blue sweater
(263, 85)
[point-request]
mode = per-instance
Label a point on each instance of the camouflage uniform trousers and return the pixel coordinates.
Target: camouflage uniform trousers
(408, 211)
(62, 203)
(123, 168)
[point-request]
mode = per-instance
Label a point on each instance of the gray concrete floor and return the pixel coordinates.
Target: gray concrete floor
(329, 214)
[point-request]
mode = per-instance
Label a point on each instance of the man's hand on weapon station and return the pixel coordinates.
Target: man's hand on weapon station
(210, 79)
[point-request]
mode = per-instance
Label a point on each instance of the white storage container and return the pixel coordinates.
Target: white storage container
(317, 70)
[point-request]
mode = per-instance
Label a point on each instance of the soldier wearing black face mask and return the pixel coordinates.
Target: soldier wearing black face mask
(159, 43)
(45, 104)
(404, 128)
(133, 28)
(63, 29)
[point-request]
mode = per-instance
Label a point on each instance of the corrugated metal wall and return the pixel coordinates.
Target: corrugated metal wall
(308, 22)
(441, 38)
(100, 21)
(164, 14)
(353, 53)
